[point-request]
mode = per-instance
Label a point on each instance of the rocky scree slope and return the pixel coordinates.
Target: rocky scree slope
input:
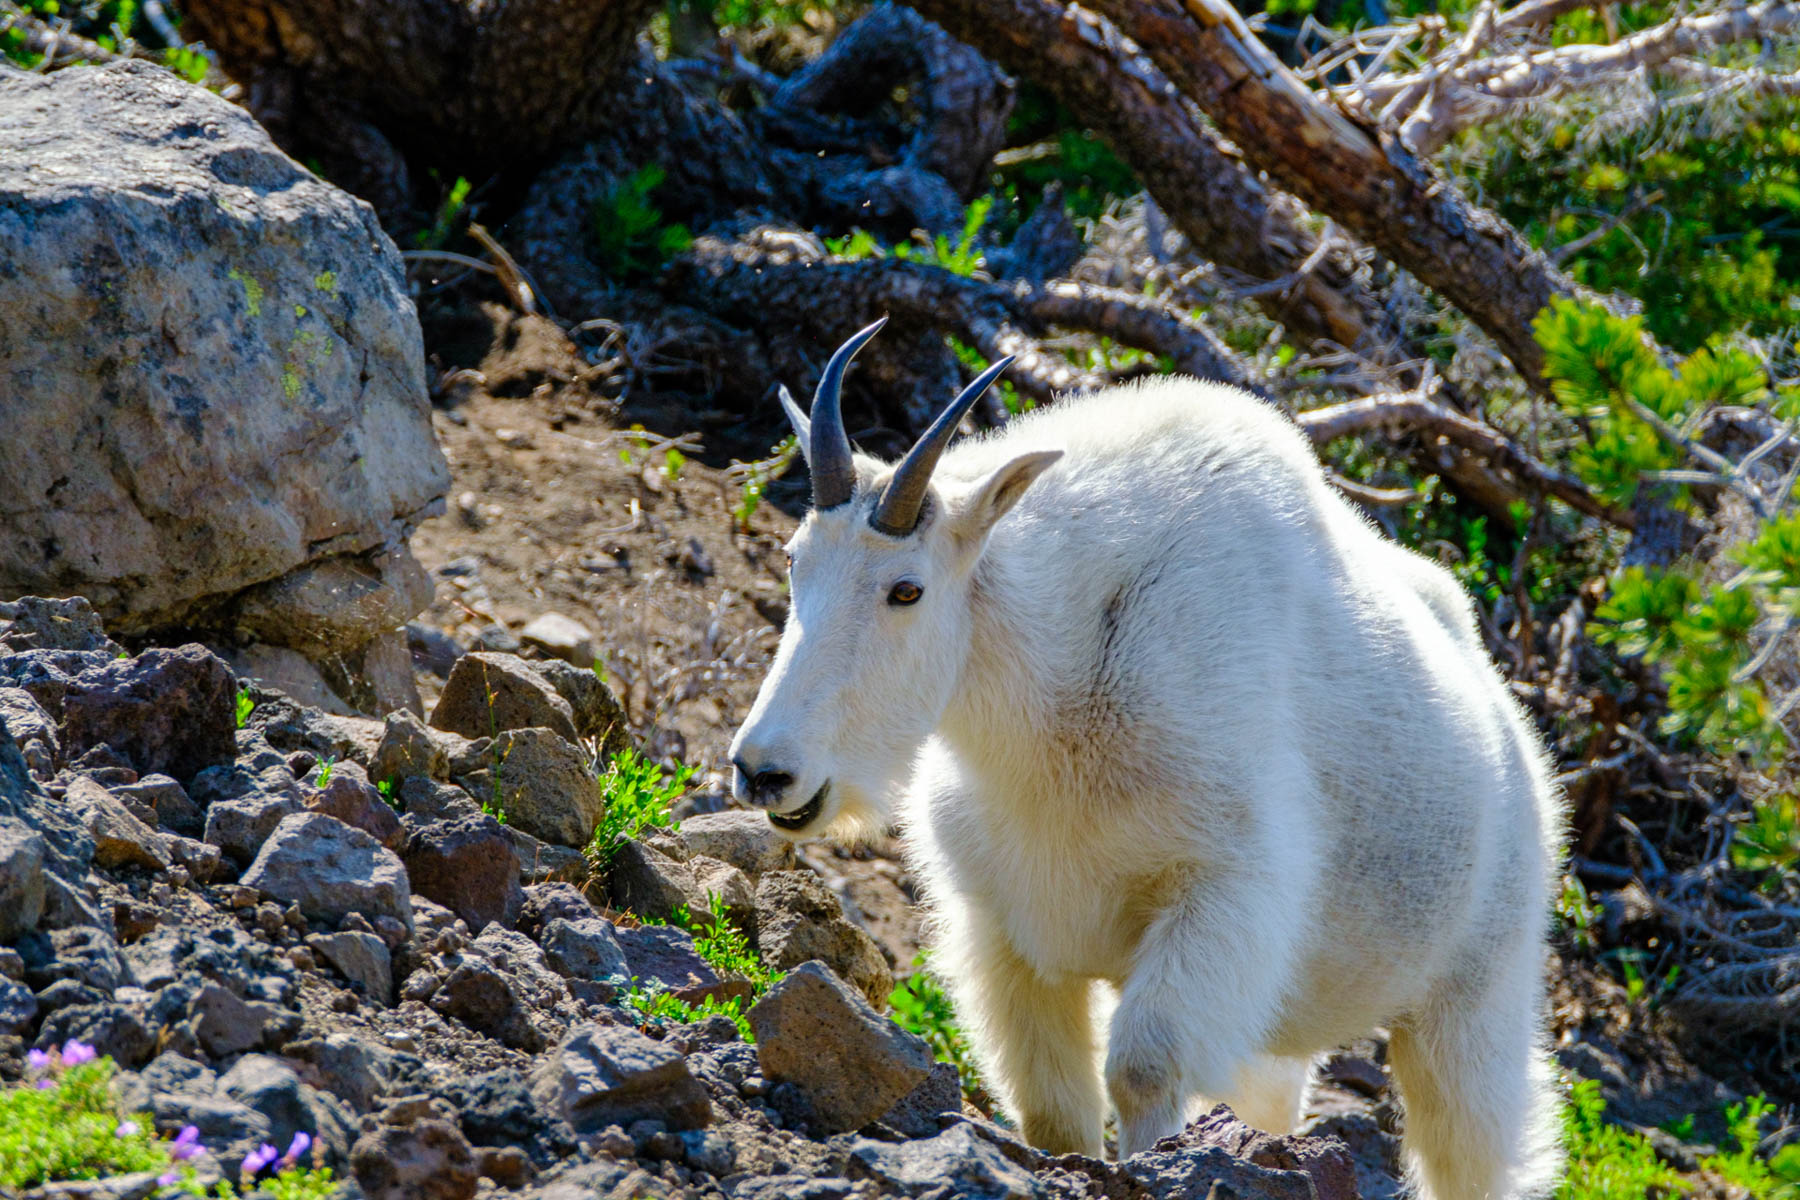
(450, 1005)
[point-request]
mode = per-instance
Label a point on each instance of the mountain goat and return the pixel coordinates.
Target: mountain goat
(1172, 727)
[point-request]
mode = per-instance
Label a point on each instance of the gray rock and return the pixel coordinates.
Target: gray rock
(424, 1160)
(355, 1069)
(561, 637)
(792, 1187)
(604, 1075)
(331, 870)
(1218, 1154)
(112, 1029)
(488, 694)
(851, 1063)
(351, 798)
(663, 957)
(542, 783)
(799, 919)
(22, 853)
(410, 748)
(85, 953)
(270, 1087)
(39, 623)
(546, 862)
(598, 715)
(18, 1008)
(362, 958)
(120, 839)
(469, 866)
(233, 342)
(545, 902)
(222, 1023)
(240, 827)
(167, 711)
(957, 1161)
(487, 999)
(916, 1115)
(717, 880)
(279, 669)
(432, 649)
(167, 799)
(643, 880)
(33, 728)
(585, 949)
(428, 800)
(746, 840)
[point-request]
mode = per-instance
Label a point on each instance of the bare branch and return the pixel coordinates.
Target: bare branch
(1416, 413)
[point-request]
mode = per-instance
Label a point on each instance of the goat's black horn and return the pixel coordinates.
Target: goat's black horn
(897, 512)
(833, 474)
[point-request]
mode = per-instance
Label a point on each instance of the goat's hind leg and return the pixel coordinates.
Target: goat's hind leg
(1269, 1092)
(1480, 1101)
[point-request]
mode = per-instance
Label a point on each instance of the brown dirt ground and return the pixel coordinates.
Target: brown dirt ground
(556, 507)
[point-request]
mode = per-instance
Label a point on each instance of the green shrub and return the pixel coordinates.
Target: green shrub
(921, 1005)
(638, 795)
(1636, 412)
(631, 241)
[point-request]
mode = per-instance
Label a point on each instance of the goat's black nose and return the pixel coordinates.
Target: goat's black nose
(766, 786)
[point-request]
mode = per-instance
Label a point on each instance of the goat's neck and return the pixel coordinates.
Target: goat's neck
(1001, 703)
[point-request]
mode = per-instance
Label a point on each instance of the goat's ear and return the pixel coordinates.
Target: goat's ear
(975, 513)
(799, 420)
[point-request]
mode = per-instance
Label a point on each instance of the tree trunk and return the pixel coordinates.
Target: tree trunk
(474, 88)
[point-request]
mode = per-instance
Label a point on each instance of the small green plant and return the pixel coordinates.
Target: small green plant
(726, 948)
(1577, 912)
(631, 241)
(756, 477)
(452, 215)
(1605, 1161)
(920, 1004)
(1771, 839)
(961, 257)
(64, 1124)
(1776, 1178)
(327, 765)
(244, 705)
(653, 1006)
(639, 794)
(673, 460)
(386, 788)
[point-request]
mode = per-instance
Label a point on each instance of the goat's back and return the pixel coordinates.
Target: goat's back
(1183, 614)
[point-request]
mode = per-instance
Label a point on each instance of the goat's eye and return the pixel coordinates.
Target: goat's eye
(905, 592)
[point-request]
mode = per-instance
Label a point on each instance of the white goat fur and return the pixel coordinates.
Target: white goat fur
(1174, 730)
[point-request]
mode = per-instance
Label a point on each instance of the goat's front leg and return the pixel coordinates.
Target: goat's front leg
(1202, 993)
(1033, 1038)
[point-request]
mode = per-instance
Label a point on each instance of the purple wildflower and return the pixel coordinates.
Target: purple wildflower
(301, 1143)
(38, 1060)
(169, 1178)
(126, 1129)
(257, 1159)
(186, 1144)
(44, 1085)
(75, 1053)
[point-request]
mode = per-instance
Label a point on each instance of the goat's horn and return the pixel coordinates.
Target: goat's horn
(897, 512)
(833, 475)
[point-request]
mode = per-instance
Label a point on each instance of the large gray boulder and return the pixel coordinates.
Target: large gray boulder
(218, 417)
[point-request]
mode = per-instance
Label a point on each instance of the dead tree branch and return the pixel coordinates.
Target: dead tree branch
(1419, 414)
(1363, 178)
(1464, 89)
(1200, 181)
